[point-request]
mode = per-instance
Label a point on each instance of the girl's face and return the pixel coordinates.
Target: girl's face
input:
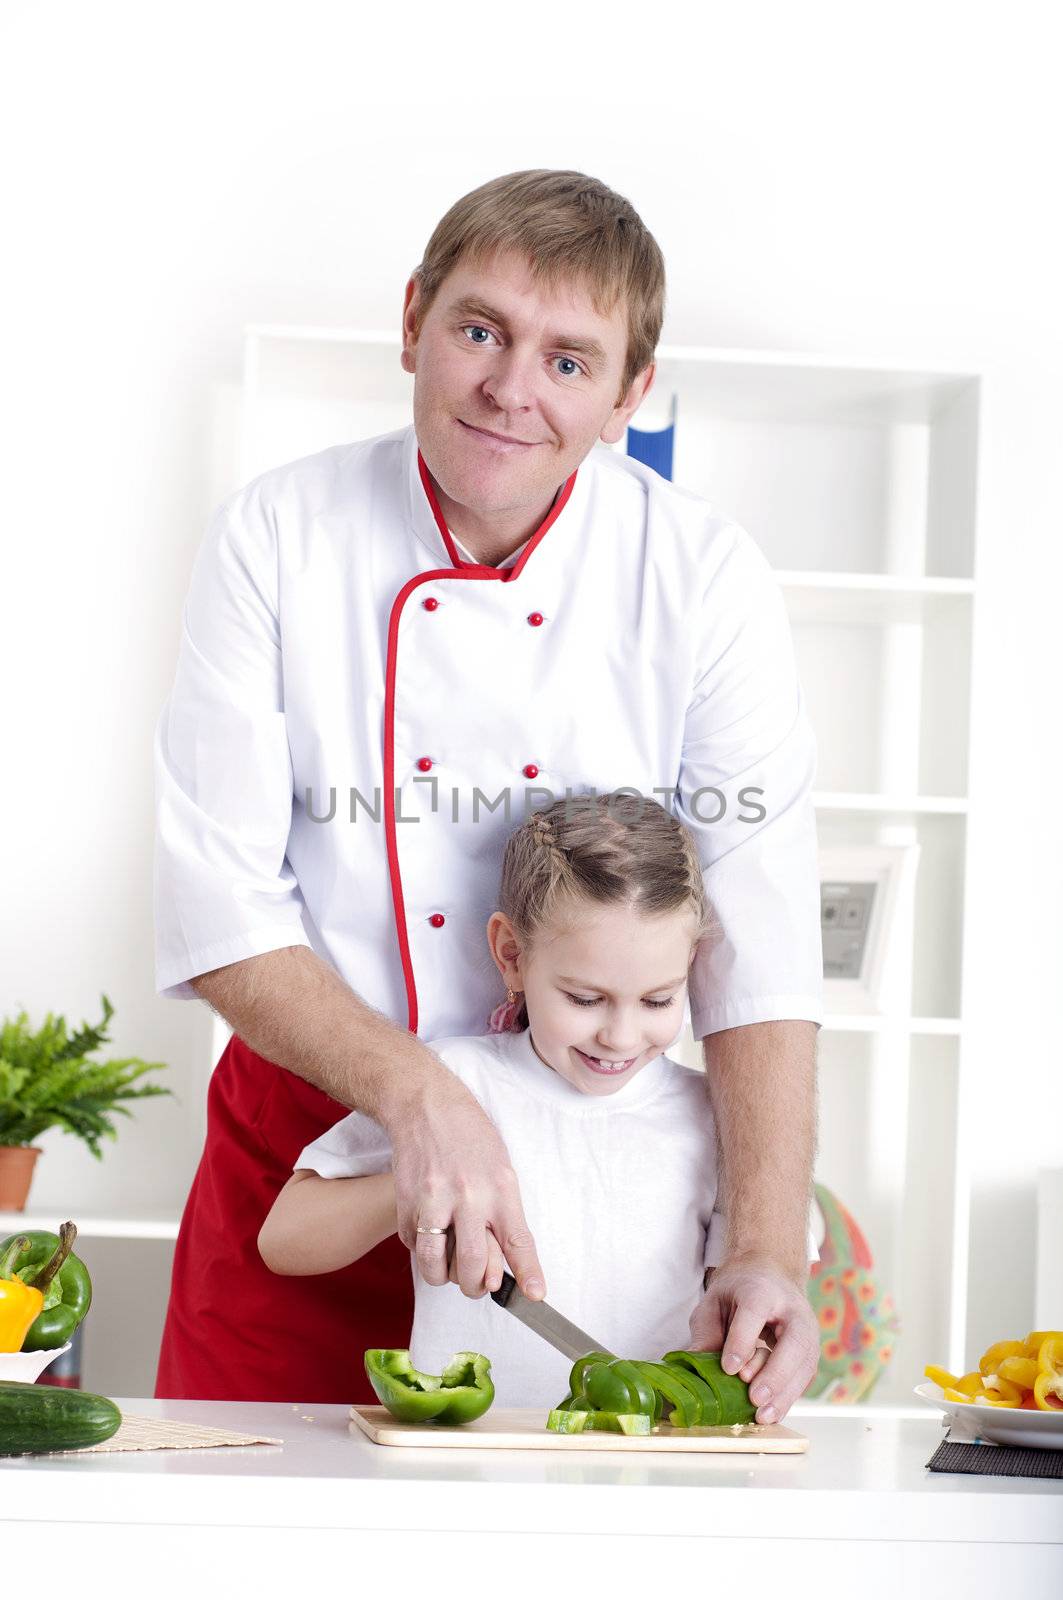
(604, 996)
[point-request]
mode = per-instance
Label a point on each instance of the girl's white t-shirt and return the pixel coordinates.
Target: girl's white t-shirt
(619, 1192)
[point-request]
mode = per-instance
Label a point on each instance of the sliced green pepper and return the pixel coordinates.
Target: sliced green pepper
(685, 1393)
(461, 1393)
(690, 1383)
(617, 1386)
(560, 1421)
(732, 1394)
(62, 1278)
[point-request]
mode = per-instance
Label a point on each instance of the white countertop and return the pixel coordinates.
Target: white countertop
(868, 1468)
(863, 1478)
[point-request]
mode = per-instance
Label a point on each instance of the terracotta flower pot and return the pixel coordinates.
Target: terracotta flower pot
(16, 1174)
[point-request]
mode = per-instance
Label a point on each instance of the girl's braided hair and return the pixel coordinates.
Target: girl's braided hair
(612, 849)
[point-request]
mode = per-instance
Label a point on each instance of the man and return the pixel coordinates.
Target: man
(392, 650)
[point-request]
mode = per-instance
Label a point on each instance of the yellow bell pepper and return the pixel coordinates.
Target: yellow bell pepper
(970, 1384)
(1000, 1386)
(20, 1304)
(984, 1397)
(1018, 1369)
(1034, 1341)
(1048, 1385)
(943, 1379)
(998, 1353)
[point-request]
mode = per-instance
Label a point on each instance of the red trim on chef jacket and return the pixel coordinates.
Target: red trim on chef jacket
(234, 1330)
(459, 570)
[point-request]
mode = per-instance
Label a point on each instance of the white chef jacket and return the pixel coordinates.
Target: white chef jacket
(335, 638)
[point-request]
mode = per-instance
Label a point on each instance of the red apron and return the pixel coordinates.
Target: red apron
(234, 1330)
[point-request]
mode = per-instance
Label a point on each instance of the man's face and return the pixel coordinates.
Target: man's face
(497, 353)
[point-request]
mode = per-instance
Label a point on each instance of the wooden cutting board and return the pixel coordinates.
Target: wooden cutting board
(526, 1430)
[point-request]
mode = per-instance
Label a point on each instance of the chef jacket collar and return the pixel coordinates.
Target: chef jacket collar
(427, 521)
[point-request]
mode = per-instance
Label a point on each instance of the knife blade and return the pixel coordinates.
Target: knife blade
(545, 1321)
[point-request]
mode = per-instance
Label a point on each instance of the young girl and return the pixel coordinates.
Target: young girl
(601, 908)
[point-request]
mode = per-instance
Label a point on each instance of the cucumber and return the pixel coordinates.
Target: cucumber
(36, 1417)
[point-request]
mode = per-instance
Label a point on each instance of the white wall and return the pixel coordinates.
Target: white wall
(849, 179)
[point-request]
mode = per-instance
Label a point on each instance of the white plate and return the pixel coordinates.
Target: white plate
(26, 1366)
(1038, 1430)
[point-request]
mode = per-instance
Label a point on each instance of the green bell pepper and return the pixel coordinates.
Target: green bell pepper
(686, 1394)
(732, 1394)
(461, 1393)
(64, 1281)
(560, 1421)
(615, 1385)
(691, 1383)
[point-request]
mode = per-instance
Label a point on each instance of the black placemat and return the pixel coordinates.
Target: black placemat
(1004, 1461)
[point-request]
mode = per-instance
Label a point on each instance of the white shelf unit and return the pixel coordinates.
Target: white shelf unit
(858, 482)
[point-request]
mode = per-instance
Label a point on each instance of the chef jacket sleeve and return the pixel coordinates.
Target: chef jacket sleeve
(223, 774)
(745, 791)
(353, 1148)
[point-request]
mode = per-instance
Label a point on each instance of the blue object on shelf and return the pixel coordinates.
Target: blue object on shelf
(654, 446)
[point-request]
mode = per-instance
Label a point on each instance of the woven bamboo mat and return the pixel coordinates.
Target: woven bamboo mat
(160, 1433)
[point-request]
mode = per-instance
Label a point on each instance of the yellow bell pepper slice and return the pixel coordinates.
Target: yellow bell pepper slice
(943, 1379)
(1034, 1341)
(1019, 1369)
(998, 1385)
(1048, 1385)
(999, 1352)
(983, 1398)
(970, 1384)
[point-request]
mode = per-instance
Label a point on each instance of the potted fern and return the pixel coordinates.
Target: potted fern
(48, 1081)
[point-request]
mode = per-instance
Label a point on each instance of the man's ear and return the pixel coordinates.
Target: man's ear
(639, 388)
(411, 306)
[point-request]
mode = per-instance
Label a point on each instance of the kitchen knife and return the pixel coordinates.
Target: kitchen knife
(545, 1321)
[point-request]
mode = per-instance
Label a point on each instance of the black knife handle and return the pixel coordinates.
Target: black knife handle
(502, 1295)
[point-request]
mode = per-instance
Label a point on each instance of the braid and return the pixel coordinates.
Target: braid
(545, 838)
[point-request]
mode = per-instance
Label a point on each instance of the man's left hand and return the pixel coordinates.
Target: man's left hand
(748, 1299)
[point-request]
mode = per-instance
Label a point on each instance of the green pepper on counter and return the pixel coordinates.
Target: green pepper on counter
(62, 1278)
(461, 1393)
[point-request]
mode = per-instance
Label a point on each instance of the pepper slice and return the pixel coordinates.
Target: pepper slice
(732, 1394)
(616, 1386)
(691, 1399)
(1048, 1385)
(629, 1423)
(461, 1393)
(998, 1353)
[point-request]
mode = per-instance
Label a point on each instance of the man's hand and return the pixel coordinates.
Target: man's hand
(451, 1168)
(452, 1171)
(749, 1298)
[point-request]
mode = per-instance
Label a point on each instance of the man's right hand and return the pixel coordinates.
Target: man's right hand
(450, 1165)
(452, 1171)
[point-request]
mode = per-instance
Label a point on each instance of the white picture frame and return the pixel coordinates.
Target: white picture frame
(863, 889)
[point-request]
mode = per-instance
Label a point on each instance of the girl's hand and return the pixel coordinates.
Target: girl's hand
(494, 1266)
